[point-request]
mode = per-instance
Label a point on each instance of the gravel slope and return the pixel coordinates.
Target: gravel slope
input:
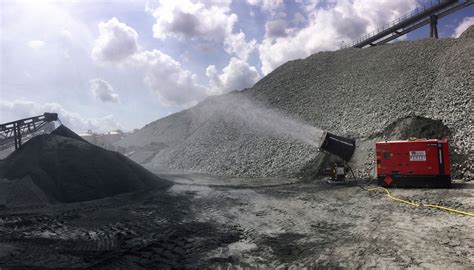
(352, 92)
(225, 135)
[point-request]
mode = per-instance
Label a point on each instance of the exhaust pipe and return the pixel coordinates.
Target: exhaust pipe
(338, 146)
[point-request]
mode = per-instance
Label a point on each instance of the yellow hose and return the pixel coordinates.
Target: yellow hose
(415, 204)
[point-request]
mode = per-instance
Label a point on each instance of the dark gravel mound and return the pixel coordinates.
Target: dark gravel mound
(351, 92)
(64, 131)
(415, 127)
(70, 170)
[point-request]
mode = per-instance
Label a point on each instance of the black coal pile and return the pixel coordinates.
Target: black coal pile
(62, 167)
(64, 131)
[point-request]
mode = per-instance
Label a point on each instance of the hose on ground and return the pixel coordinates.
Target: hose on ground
(365, 187)
(420, 204)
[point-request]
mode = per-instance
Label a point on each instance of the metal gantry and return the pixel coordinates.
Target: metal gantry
(429, 13)
(17, 129)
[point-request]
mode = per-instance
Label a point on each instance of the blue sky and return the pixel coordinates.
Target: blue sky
(105, 65)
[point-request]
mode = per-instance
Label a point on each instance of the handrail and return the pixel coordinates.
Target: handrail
(413, 17)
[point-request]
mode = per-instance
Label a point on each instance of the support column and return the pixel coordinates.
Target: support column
(19, 135)
(15, 138)
(434, 26)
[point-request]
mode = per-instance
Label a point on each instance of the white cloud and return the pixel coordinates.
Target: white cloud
(165, 77)
(327, 28)
(24, 108)
(116, 42)
(103, 91)
(236, 44)
(36, 44)
(208, 20)
(266, 5)
(235, 76)
(463, 26)
(298, 18)
(276, 28)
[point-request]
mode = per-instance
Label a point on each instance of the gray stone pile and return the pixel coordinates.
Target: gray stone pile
(351, 92)
(225, 135)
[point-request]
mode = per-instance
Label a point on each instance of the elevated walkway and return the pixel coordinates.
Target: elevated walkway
(428, 13)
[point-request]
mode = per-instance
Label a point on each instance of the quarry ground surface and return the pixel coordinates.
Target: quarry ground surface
(205, 222)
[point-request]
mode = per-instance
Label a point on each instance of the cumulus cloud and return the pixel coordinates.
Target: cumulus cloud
(266, 5)
(116, 42)
(327, 28)
(298, 18)
(236, 44)
(463, 26)
(165, 77)
(24, 108)
(209, 20)
(237, 75)
(36, 44)
(103, 91)
(276, 28)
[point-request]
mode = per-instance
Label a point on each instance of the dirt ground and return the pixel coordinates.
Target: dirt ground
(205, 222)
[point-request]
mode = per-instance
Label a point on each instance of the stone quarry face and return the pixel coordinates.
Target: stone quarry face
(61, 168)
(350, 92)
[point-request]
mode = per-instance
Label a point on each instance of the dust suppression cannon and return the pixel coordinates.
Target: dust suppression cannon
(338, 146)
(341, 147)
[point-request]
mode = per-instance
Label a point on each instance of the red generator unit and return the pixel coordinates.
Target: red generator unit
(418, 163)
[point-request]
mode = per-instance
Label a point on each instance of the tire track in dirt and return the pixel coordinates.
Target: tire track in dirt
(151, 231)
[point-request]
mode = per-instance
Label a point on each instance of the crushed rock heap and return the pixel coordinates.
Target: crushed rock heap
(62, 167)
(351, 92)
